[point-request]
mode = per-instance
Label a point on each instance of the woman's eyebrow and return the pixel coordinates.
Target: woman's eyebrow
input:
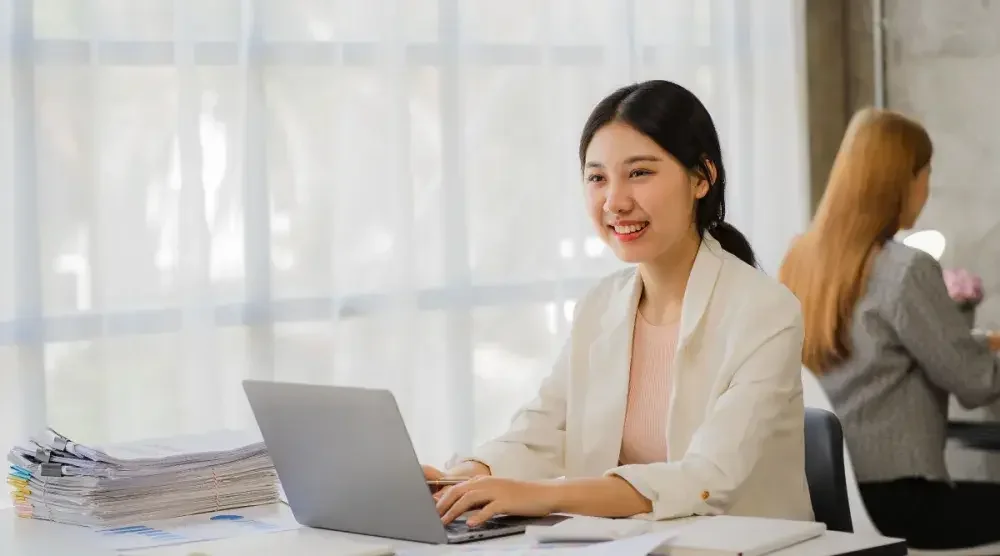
(642, 158)
(629, 160)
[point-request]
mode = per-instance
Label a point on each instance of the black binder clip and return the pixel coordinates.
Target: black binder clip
(51, 470)
(43, 455)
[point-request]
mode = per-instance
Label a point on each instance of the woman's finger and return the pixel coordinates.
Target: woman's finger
(449, 496)
(431, 473)
(440, 493)
(488, 511)
(467, 502)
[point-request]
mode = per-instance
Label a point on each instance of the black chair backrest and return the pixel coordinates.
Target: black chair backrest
(825, 470)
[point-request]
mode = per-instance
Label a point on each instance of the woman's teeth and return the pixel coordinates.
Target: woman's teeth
(630, 229)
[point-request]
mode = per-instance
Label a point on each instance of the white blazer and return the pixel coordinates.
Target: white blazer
(735, 429)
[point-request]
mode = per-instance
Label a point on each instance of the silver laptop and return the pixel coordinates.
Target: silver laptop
(346, 463)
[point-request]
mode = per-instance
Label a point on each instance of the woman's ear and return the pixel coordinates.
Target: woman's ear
(713, 172)
(703, 183)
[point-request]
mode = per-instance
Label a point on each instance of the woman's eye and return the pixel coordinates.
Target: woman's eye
(594, 178)
(638, 173)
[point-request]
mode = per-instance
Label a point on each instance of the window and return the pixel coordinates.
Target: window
(383, 193)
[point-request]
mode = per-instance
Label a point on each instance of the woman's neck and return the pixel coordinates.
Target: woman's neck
(664, 281)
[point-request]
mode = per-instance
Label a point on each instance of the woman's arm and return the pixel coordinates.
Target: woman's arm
(930, 327)
(601, 497)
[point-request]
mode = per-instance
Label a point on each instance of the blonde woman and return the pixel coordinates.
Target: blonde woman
(887, 342)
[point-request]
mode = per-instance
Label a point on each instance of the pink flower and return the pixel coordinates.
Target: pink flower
(963, 286)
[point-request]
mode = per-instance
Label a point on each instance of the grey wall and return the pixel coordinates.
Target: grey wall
(943, 68)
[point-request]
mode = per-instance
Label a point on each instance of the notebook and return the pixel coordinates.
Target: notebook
(740, 536)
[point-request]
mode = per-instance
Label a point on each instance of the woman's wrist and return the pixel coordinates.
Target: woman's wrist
(558, 494)
(598, 496)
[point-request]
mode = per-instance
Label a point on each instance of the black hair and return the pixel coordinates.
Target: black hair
(679, 123)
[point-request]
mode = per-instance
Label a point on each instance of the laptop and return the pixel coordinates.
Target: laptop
(346, 463)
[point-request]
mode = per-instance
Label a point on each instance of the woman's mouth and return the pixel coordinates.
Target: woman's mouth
(629, 232)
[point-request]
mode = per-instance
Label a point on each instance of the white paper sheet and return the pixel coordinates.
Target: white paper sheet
(205, 527)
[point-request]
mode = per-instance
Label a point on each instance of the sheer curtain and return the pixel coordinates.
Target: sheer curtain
(380, 193)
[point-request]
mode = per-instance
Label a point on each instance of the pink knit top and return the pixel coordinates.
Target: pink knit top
(644, 435)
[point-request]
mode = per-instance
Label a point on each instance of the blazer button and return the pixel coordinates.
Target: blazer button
(704, 495)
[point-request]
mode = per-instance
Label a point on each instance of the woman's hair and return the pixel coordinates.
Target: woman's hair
(678, 122)
(827, 267)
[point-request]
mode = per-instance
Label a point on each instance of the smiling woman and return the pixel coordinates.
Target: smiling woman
(678, 392)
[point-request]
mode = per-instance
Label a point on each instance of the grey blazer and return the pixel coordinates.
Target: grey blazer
(911, 348)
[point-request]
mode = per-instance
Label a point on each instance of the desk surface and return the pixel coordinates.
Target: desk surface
(28, 537)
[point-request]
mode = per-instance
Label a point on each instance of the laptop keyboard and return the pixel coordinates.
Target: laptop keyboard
(459, 526)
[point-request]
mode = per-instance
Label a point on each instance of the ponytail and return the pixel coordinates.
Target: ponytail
(733, 241)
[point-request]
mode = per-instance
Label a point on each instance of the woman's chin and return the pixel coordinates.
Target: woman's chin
(630, 255)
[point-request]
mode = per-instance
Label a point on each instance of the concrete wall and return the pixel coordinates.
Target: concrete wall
(943, 68)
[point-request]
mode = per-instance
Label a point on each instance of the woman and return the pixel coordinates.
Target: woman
(679, 390)
(887, 342)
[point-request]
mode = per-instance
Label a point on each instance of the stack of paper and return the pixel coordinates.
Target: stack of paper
(59, 480)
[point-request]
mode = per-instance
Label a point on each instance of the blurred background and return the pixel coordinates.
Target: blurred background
(387, 193)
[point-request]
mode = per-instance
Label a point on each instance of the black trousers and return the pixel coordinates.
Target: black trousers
(934, 514)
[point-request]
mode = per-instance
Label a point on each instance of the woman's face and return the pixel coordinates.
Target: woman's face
(641, 200)
(916, 199)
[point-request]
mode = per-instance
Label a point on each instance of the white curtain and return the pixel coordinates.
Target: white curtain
(366, 192)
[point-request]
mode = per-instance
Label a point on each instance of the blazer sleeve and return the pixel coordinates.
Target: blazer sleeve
(763, 401)
(930, 326)
(534, 446)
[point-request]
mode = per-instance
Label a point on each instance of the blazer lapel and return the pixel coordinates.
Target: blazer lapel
(607, 383)
(700, 285)
(697, 294)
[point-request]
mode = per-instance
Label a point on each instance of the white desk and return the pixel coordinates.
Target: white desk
(28, 537)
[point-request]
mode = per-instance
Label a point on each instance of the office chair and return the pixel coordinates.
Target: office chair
(825, 470)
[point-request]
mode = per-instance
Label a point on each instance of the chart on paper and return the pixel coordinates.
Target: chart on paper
(193, 529)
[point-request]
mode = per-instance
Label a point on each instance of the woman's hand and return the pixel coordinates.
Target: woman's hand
(432, 473)
(993, 337)
(497, 496)
(464, 470)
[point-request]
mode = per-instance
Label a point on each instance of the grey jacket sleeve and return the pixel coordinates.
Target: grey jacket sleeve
(930, 326)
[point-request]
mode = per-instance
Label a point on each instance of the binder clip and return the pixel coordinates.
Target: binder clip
(43, 455)
(56, 440)
(51, 470)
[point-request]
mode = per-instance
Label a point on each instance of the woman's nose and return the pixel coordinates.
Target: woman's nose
(618, 201)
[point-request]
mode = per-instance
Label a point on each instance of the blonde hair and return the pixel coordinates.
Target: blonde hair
(827, 267)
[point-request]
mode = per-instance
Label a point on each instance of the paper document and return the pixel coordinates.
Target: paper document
(301, 542)
(57, 479)
(205, 527)
(640, 545)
